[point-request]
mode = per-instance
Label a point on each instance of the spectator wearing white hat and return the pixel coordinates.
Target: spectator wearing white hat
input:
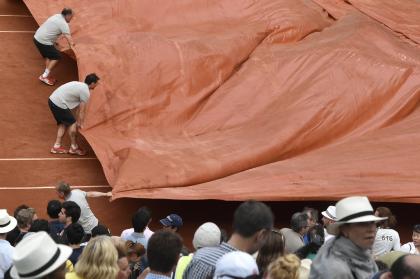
(413, 247)
(328, 218)
(348, 255)
(38, 256)
(236, 265)
(7, 224)
(207, 235)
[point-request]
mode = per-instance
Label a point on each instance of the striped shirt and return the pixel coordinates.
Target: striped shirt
(204, 261)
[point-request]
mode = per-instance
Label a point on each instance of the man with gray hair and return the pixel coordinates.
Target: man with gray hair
(294, 236)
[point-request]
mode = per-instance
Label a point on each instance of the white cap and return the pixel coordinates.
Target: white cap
(207, 235)
(235, 264)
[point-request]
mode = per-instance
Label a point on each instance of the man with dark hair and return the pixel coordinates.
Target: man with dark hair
(163, 254)
(414, 246)
(251, 221)
(313, 215)
(53, 209)
(140, 220)
(87, 218)
(294, 236)
(74, 234)
(45, 38)
(406, 267)
(70, 213)
(100, 230)
(172, 222)
(71, 95)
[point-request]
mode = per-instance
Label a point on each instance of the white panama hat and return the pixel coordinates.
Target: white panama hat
(7, 222)
(353, 210)
(330, 213)
(38, 255)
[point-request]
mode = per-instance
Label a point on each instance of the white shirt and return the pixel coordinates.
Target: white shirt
(327, 236)
(385, 241)
(87, 219)
(70, 95)
(49, 31)
(410, 248)
(6, 252)
(128, 234)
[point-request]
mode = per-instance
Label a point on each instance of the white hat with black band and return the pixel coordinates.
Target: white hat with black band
(7, 222)
(353, 210)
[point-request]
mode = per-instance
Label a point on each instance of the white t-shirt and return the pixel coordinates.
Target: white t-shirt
(385, 241)
(327, 236)
(49, 31)
(70, 95)
(142, 238)
(87, 219)
(410, 248)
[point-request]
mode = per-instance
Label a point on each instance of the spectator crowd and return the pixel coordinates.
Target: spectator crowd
(352, 241)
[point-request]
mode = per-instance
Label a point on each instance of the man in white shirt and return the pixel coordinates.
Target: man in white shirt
(7, 224)
(328, 218)
(45, 38)
(74, 94)
(87, 218)
(140, 220)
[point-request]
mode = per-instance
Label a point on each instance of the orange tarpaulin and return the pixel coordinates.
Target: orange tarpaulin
(239, 99)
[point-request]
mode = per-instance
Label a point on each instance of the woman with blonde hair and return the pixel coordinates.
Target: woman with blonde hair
(98, 260)
(285, 267)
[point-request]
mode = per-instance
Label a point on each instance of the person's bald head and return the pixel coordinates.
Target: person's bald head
(406, 267)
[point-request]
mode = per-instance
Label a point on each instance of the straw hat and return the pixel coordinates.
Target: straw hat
(38, 255)
(330, 213)
(7, 222)
(353, 210)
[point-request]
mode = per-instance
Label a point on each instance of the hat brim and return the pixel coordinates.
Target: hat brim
(166, 222)
(334, 229)
(65, 253)
(325, 214)
(10, 227)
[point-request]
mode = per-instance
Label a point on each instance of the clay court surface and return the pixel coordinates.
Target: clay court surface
(28, 171)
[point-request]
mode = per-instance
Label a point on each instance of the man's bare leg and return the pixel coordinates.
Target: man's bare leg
(74, 149)
(58, 149)
(49, 65)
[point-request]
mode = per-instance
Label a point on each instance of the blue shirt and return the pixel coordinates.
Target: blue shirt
(6, 252)
(152, 275)
(56, 227)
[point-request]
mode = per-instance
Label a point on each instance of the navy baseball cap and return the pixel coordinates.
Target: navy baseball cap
(172, 220)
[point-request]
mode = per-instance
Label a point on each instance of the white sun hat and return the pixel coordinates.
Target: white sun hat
(37, 256)
(330, 213)
(236, 264)
(353, 210)
(7, 222)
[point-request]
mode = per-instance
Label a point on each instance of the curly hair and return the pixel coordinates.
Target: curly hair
(286, 267)
(98, 260)
(391, 222)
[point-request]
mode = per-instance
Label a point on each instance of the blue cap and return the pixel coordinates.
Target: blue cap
(172, 220)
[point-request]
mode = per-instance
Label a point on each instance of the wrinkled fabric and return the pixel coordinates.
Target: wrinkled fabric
(271, 100)
(340, 258)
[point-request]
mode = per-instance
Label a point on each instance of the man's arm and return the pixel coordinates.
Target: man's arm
(69, 40)
(81, 115)
(94, 194)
